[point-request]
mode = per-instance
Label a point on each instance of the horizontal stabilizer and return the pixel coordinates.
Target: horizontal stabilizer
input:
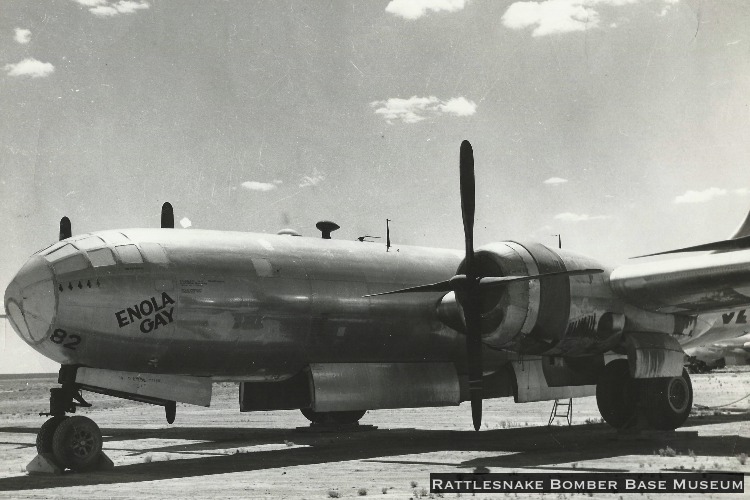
(717, 246)
(458, 282)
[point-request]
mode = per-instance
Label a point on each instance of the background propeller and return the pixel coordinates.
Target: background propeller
(167, 216)
(65, 230)
(167, 221)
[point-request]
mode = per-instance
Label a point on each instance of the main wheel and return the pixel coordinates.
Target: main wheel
(333, 417)
(77, 443)
(46, 433)
(669, 401)
(617, 395)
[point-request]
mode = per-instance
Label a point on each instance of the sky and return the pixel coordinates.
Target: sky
(623, 125)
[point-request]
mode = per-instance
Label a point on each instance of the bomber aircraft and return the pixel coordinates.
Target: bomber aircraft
(336, 328)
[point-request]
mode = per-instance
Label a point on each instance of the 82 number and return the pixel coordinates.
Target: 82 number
(59, 336)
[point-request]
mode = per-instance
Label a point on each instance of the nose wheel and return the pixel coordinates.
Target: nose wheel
(46, 433)
(77, 444)
(68, 442)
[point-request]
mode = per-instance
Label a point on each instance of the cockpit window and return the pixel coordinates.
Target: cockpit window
(129, 254)
(101, 257)
(71, 264)
(49, 248)
(89, 243)
(60, 253)
(154, 253)
(114, 238)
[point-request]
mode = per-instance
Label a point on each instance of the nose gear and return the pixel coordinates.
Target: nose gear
(65, 442)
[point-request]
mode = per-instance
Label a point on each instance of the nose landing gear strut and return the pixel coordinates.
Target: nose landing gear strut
(65, 442)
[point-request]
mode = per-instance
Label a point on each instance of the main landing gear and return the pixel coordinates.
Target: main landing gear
(333, 417)
(334, 421)
(65, 442)
(658, 403)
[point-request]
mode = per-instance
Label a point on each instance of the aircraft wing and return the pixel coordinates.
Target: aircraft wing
(706, 283)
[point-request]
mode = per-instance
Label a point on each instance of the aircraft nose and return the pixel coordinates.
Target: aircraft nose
(30, 300)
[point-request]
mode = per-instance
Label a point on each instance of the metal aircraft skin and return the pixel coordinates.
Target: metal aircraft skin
(230, 304)
(336, 327)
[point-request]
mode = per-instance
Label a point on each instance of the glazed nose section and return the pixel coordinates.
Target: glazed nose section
(30, 300)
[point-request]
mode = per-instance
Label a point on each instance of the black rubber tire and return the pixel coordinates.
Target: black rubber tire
(669, 401)
(77, 444)
(333, 417)
(46, 433)
(617, 395)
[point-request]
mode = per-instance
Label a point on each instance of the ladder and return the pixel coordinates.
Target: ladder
(562, 409)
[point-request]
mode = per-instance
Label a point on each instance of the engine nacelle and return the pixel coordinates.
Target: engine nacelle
(563, 315)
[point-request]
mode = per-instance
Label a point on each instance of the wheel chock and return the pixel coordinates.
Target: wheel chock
(105, 463)
(43, 463)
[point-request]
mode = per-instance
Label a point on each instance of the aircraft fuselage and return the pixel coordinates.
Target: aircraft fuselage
(262, 307)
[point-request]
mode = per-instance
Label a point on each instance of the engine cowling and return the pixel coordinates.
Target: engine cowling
(562, 315)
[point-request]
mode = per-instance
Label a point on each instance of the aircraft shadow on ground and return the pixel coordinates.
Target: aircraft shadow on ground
(520, 448)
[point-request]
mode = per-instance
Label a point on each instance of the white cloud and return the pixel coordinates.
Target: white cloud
(104, 11)
(185, 223)
(312, 180)
(23, 36)
(104, 8)
(415, 109)
(414, 9)
(407, 110)
(259, 186)
(458, 106)
(665, 10)
(571, 217)
(128, 6)
(90, 3)
(30, 67)
(709, 194)
(700, 196)
(555, 180)
(550, 17)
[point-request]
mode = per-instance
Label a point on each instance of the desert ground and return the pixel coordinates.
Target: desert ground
(218, 452)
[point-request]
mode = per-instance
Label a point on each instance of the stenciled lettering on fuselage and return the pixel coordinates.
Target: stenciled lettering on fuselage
(740, 318)
(143, 311)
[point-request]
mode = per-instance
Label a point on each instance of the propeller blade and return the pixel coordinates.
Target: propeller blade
(167, 216)
(723, 246)
(65, 229)
(470, 296)
(473, 319)
(441, 286)
(493, 281)
(459, 283)
(468, 203)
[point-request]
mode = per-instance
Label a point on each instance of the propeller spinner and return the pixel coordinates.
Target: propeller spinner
(468, 287)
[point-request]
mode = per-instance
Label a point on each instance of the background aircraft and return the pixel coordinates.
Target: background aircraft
(729, 352)
(335, 328)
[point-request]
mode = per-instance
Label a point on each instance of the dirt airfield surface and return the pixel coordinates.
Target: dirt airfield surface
(218, 452)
